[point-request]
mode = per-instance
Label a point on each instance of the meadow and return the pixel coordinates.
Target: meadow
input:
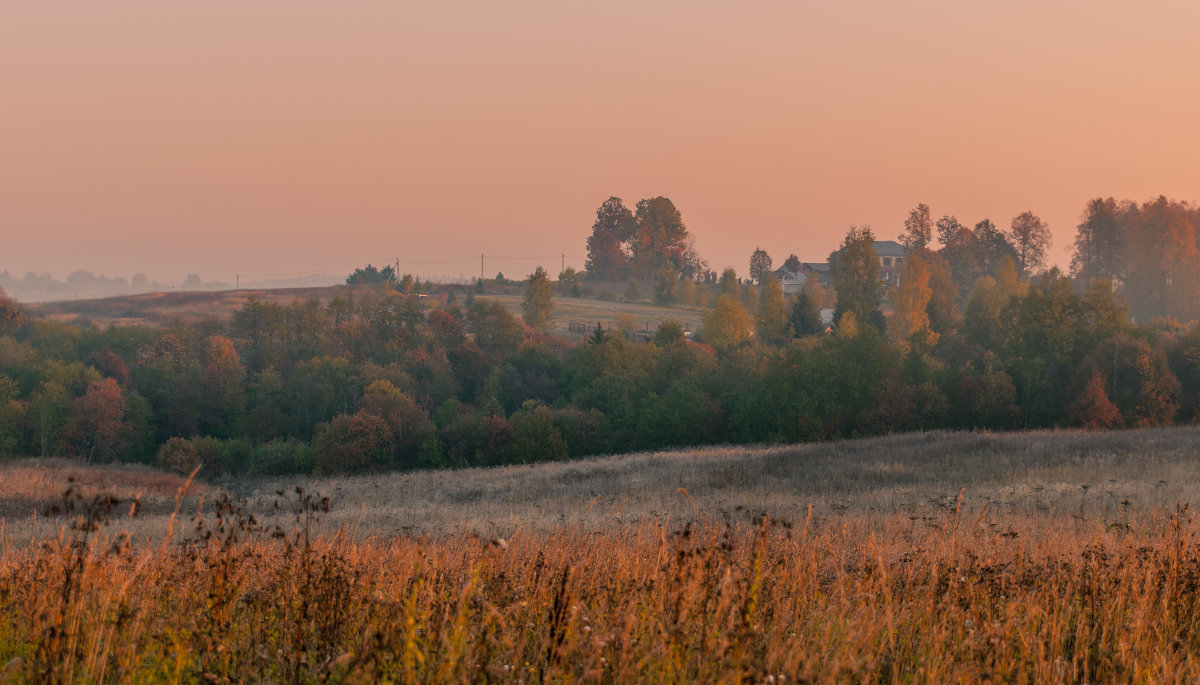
(932, 557)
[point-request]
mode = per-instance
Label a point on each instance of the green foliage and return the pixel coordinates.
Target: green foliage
(670, 332)
(352, 443)
(856, 277)
(727, 325)
(496, 331)
(371, 275)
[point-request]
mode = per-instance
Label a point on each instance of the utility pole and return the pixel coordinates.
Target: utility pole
(481, 266)
(564, 263)
(237, 282)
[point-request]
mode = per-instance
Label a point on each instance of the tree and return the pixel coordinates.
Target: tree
(666, 289)
(912, 300)
(792, 263)
(760, 265)
(949, 230)
(993, 247)
(496, 331)
(727, 325)
(660, 238)
(1100, 243)
(10, 312)
(855, 271)
(97, 427)
(806, 312)
(539, 300)
(607, 259)
(669, 332)
(1091, 408)
(771, 319)
(918, 228)
(369, 274)
(1163, 263)
(728, 285)
(352, 443)
(1031, 237)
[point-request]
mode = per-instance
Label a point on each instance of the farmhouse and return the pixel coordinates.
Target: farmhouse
(891, 256)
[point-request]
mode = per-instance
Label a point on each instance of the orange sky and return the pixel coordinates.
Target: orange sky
(227, 137)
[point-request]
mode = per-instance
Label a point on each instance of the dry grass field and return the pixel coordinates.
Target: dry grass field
(160, 309)
(163, 308)
(938, 557)
(643, 316)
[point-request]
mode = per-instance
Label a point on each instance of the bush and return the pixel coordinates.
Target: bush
(536, 437)
(178, 455)
(352, 443)
(280, 458)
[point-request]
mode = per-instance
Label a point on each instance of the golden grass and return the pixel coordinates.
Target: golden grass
(889, 576)
(644, 316)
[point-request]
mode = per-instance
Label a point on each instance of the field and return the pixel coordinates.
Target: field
(938, 557)
(164, 308)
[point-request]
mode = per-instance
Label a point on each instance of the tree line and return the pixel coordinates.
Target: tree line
(379, 378)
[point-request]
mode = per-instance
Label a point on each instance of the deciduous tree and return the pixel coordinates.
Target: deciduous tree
(760, 265)
(1030, 236)
(918, 228)
(607, 259)
(855, 271)
(538, 304)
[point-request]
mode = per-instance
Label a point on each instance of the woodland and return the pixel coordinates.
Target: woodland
(393, 374)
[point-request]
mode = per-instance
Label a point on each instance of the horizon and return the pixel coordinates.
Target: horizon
(169, 140)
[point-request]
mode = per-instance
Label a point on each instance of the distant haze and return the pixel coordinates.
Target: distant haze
(225, 138)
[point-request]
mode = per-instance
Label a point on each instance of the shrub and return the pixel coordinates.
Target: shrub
(352, 443)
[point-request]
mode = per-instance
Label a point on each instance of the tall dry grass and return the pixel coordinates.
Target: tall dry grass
(867, 567)
(963, 595)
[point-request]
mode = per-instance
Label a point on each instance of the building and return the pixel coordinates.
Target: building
(891, 255)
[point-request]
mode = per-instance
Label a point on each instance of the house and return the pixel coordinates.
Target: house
(792, 281)
(891, 255)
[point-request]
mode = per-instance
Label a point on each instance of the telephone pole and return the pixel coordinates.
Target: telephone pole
(481, 266)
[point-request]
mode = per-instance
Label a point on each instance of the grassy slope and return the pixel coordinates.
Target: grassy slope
(189, 307)
(916, 475)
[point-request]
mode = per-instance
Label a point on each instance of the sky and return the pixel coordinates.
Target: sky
(271, 137)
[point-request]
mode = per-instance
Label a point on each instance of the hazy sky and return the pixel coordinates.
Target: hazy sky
(251, 137)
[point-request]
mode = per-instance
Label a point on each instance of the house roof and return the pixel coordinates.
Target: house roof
(889, 248)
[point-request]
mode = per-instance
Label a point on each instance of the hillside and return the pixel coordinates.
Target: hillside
(164, 308)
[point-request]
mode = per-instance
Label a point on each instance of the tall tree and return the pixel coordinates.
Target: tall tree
(760, 264)
(727, 324)
(1163, 262)
(607, 259)
(1100, 243)
(911, 301)
(539, 300)
(771, 320)
(918, 228)
(660, 238)
(1031, 237)
(854, 268)
(993, 247)
(949, 230)
(792, 263)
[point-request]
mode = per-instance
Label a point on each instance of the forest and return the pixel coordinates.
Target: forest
(383, 377)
